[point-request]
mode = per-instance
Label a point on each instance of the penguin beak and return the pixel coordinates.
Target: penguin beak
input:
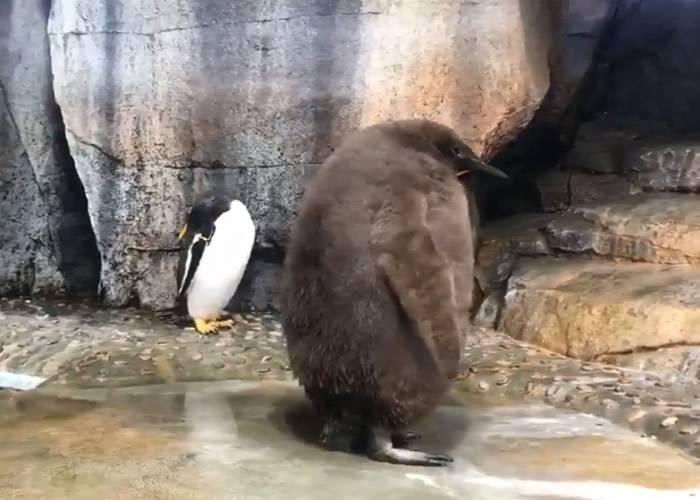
(182, 232)
(475, 164)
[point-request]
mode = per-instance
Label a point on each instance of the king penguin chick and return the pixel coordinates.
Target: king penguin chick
(218, 239)
(377, 285)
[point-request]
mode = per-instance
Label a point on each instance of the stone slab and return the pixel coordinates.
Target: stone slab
(654, 227)
(587, 308)
(665, 163)
(502, 242)
(673, 361)
(561, 189)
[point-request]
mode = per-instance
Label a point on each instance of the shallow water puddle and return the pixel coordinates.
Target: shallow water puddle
(19, 381)
(250, 440)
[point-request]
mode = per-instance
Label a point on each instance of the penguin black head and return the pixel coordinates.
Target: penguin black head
(196, 234)
(444, 144)
(203, 214)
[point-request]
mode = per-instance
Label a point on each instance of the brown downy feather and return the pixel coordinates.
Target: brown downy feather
(378, 273)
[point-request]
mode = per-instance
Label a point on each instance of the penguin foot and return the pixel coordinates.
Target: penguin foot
(402, 439)
(225, 323)
(339, 435)
(381, 449)
(205, 327)
(211, 327)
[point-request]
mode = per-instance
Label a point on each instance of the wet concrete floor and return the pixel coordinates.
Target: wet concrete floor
(256, 440)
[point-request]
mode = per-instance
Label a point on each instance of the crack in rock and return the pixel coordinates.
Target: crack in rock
(214, 24)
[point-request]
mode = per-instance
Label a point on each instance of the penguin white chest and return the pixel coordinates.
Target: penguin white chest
(223, 263)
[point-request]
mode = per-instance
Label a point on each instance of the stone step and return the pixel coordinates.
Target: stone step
(654, 227)
(599, 146)
(660, 228)
(668, 361)
(562, 189)
(647, 153)
(593, 308)
(664, 163)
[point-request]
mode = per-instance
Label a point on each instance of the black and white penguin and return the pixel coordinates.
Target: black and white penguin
(217, 241)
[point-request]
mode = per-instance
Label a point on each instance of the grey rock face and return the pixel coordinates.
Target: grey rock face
(503, 243)
(578, 25)
(653, 64)
(489, 310)
(600, 147)
(665, 163)
(560, 189)
(647, 152)
(163, 101)
(46, 244)
(28, 259)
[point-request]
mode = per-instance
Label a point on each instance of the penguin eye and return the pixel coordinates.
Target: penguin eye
(457, 152)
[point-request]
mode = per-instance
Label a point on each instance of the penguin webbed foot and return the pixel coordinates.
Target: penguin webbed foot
(225, 323)
(381, 449)
(211, 327)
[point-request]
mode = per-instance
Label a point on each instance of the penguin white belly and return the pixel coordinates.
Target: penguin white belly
(223, 263)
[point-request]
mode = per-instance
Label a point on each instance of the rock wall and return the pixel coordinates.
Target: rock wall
(653, 68)
(580, 30)
(610, 270)
(46, 244)
(163, 100)
(579, 27)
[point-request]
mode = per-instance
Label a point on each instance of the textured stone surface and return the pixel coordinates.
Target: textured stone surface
(561, 189)
(578, 27)
(646, 153)
(46, 245)
(653, 71)
(29, 262)
(487, 314)
(660, 228)
(665, 163)
(608, 223)
(502, 242)
(86, 346)
(552, 306)
(587, 308)
(600, 146)
(161, 102)
(671, 361)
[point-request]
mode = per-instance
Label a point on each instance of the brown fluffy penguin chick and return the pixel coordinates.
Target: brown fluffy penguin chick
(378, 282)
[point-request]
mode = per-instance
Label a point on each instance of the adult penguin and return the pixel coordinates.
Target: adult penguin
(217, 242)
(377, 284)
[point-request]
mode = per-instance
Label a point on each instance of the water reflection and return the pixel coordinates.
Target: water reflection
(256, 440)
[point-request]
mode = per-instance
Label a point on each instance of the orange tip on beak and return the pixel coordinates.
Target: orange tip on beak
(182, 232)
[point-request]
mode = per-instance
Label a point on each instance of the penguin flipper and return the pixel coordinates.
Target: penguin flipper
(420, 276)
